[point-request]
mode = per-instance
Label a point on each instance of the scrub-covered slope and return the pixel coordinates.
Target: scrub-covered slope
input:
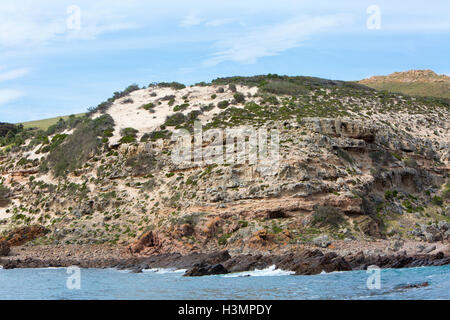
(354, 163)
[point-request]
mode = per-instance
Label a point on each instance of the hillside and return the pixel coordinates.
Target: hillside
(354, 164)
(413, 82)
(44, 124)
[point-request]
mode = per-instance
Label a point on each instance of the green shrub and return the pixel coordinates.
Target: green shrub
(181, 107)
(141, 164)
(128, 135)
(128, 101)
(173, 85)
(57, 127)
(127, 139)
(223, 104)
(284, 87)
(326, 216)
(344, 155)
(243, 223)
(57, 140)
(437, 201)
(108, 133)
(273, 100)
(128, 132)
(149, 107)
(207, 108)
(5, 128)
(80, 146)
(388, 195)
(223, 240)
(156, 135)
(4, 195)
(239, 97)
(175, 120)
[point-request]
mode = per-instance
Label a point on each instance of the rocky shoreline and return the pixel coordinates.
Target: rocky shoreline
(305, 261)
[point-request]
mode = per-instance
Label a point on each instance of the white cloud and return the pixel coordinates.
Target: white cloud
(9, 95)
(219, 22)
(13, 74)
(190, 20)
(30, 23)
(272, 40)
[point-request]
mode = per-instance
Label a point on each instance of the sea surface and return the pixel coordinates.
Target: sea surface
(64, 284)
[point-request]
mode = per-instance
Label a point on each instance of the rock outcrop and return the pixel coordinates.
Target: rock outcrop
(203, 269)
(148, 241)
(4, 248)
(20, 236)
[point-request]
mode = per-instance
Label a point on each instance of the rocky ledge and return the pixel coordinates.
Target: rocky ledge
(302, 262)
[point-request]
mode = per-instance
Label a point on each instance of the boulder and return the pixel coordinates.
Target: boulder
(443, 225)
(322, 241)
(369, 226)
(431, 233)
(87, 208)
(397, 245)
(204, 269)
(447, 235)
(429, 249)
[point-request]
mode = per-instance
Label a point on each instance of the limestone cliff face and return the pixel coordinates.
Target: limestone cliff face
(373, 167)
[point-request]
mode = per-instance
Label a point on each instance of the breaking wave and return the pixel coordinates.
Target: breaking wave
(164, 270)
(271, 271)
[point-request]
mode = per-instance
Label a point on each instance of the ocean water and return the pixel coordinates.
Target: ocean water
(270, 283)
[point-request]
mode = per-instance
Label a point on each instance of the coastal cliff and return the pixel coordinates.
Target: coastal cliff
(355, 166)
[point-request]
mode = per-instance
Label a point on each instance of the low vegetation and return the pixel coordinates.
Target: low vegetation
(83, 144)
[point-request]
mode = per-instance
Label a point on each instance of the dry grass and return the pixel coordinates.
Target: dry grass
(46, 123)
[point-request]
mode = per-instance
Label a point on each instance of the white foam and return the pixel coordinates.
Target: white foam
(332, 272)
(163, 270)
(271, 271)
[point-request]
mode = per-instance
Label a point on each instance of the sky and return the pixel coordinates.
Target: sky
(61, 57)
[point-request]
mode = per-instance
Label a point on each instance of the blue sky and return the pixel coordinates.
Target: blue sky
(50, 67)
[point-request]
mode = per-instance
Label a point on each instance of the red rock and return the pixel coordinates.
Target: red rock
(148, 240)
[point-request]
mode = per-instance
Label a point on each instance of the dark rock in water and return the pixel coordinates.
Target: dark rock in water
(137, 269)
(412, 286)
(217, 257)
(203, 269)
(313, 262)
(4, 248)
(248, 262)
